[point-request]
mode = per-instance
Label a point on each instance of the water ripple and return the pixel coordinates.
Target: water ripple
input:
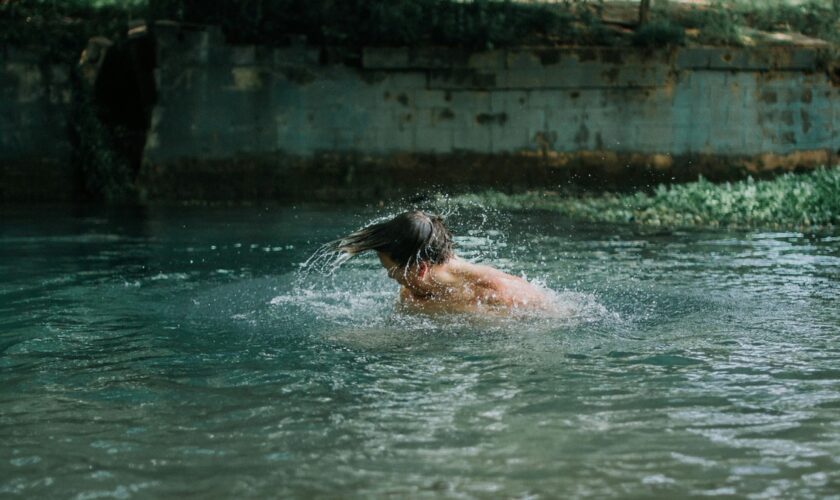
(138, 352)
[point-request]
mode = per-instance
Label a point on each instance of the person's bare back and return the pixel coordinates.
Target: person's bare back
(461, 286)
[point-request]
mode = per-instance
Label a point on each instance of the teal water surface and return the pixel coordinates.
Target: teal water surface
(173, 351)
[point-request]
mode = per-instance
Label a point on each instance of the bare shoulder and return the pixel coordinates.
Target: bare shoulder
(490, 277)
(501, 287)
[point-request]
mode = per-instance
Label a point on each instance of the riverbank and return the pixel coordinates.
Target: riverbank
(806, 202)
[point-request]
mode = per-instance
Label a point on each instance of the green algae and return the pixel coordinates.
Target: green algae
(808, 201)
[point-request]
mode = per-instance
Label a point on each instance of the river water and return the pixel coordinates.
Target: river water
(170, 351)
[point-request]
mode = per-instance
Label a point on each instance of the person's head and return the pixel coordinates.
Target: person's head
(408, 245)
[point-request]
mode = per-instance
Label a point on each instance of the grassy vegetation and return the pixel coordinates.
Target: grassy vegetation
(476, 24)
(64, 26)
(728, 23)
(60, 29)
(495, 23)
(814, 18)
(806, 201)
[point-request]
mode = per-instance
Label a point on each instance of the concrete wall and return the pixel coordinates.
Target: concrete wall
(678, 113)
(236, 122)
(35, 146)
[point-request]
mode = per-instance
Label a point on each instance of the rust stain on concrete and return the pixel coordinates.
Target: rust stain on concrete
(491, 118)
(806, 120)
(769, 96)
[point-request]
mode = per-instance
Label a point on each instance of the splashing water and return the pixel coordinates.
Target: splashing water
(478, 243)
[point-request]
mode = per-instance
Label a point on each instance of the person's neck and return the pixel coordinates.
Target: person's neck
(438, 281)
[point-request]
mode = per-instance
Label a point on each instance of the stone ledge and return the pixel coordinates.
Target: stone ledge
(710, 58)
(758, 59)
(416, 58)
(344, 177)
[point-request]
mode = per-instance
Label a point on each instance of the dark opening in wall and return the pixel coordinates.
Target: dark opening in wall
(124, 95)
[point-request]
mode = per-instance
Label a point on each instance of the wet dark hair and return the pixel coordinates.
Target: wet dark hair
(408, 238)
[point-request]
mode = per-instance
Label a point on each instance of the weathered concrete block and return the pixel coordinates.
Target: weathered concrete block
(612, 136)
(740, 116)
(638, 76)
(246, 79)
(295, 56)
(508, 139)
(753, 143)
(800, 59)
(562, 117)
(692, 58)
(490, 119)
(369, 101)
(402, 136)
(351, 118)
(574, 75)
(434, 139)
(551, 56)
(759, 59)
(314, 140)
(472, 138)
(431, 98)
(586, 75)
(343, 139)
(401, 100)
(385, 57)
(535, 122)
(406, 80)
(654, 138)
(543, 98)
(471, 100)
(487, 61)
(530, 120)
(521, 78)
(523, 59)
(817, 137)
(243, 55)
(744, 80)
(739, 90)
(372, 142)
(726, 139)
(420, 58)
(438, 58)
(510, 101)
(692, 137)
(596, 98)
(462, 79)
(443, 117)
(739, 59)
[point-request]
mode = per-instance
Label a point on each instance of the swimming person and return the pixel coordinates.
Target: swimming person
(416, 250)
